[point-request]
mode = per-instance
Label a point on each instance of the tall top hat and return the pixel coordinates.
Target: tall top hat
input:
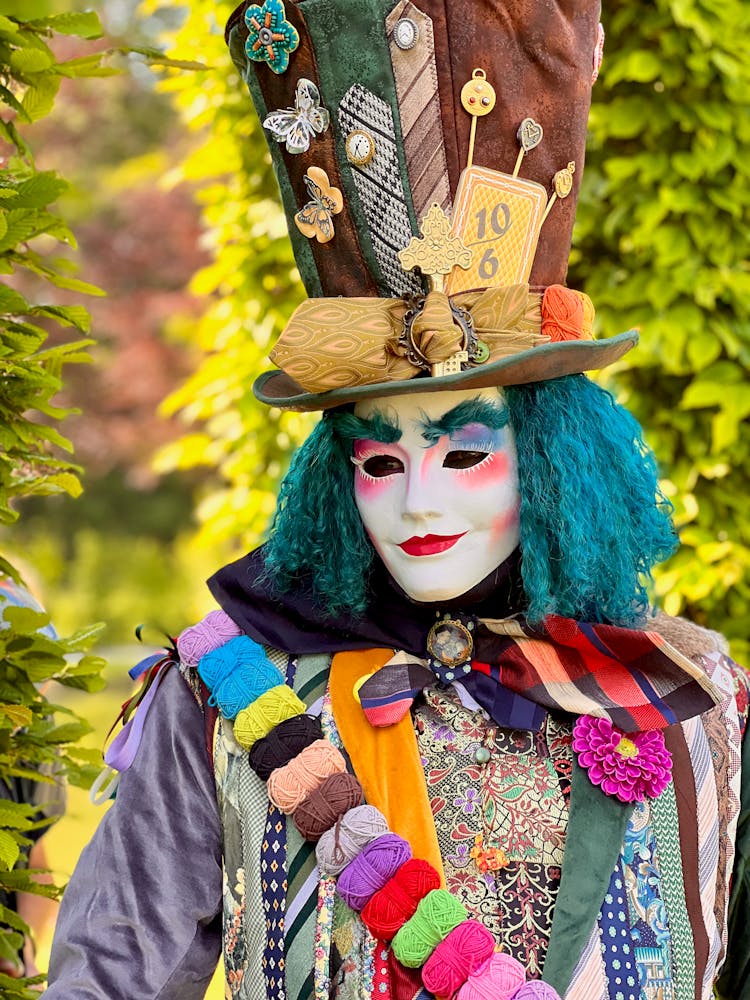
(429, 157)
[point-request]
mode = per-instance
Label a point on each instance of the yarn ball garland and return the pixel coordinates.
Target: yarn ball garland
(213, 631)
(271, 708)
(397, 901)
(535, 989)
(375, 865)
(399, 896)
(436, 916)
(288, 786)
(237, 673)
(327, 804)
(284, 743)
(346, 838)
(498, 978)
(462, 952)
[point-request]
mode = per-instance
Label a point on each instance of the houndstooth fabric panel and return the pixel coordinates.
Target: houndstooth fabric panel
(379, 186)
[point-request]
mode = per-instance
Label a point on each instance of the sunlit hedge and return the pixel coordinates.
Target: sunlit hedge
(661, 243)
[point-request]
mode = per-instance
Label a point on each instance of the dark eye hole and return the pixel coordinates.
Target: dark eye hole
(382, 465)
(463, 459)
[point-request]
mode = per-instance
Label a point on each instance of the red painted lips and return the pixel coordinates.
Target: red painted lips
(429, 545)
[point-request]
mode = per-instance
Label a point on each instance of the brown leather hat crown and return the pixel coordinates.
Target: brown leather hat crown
(429, 158)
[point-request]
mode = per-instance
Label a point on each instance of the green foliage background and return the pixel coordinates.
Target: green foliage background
(35, 734)
(661, 243)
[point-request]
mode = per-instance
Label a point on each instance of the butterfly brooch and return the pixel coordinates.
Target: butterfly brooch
(298, 125)
(316, 218)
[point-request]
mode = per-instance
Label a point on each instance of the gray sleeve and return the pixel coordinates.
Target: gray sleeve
(141, 917)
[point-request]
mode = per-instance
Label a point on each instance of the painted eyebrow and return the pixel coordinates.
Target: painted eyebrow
(470, 411)
(379, 427)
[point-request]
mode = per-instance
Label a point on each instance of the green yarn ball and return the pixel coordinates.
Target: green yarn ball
(437, 914)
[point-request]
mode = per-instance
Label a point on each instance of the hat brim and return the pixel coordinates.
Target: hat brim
(569, 357)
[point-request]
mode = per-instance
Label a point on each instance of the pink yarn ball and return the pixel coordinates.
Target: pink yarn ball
(467, 948)
(536, 990)
(216, 629)
(497, 979)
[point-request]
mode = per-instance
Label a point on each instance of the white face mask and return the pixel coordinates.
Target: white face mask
(440, 515)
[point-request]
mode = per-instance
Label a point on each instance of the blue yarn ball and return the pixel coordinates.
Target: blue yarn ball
(237, 673)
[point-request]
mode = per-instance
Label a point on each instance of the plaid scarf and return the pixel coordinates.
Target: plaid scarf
(519, 671)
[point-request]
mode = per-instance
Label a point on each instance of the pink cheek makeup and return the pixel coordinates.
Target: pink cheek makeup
(490, 471)
(503, 523)
(371, 487)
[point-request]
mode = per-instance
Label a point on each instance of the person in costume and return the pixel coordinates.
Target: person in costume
(433, 741)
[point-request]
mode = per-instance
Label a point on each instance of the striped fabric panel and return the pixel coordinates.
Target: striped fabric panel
(238, 787)
(251, 799)
(718, 744)
(416, 78)
(708, 840)
(273, 871)
(379, 186)
(726, 747)
(630, 677)
(667, 831)
(589, 981)
(302, 873)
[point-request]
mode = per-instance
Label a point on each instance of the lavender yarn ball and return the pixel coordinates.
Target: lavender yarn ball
(343, 842)
(535, 989)
(210, 633)
(238, 673)
(375, 865)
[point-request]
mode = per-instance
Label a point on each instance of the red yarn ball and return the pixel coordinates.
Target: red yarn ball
(397, 901)
(466, 948)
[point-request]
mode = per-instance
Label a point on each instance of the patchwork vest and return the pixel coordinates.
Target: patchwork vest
(640, 899)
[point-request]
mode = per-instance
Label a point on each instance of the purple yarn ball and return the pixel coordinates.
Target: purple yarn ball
(210, 633)
(535, 989)
(375, 865)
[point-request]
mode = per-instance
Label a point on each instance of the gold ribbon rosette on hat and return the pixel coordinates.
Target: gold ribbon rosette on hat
(334, 343)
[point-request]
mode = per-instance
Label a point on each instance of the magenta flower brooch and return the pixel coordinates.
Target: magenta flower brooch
(630, 766)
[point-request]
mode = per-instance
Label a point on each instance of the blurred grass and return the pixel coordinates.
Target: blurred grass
(67, 838)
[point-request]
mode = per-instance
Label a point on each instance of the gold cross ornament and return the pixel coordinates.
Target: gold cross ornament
(438, 252)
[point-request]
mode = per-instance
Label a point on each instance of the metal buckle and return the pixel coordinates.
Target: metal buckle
(458, 361)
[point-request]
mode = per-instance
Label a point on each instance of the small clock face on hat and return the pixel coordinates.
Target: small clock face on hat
(360, 147)
(406, 33)
(441, 514)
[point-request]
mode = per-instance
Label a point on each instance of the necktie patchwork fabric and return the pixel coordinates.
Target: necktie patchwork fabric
(415, 73)
(377, 177)
(633, 678)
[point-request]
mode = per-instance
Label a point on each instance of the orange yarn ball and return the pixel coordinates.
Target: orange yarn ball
(397, 901)
(466, 949)
(327, 804)
(562, 314)
(288, 786)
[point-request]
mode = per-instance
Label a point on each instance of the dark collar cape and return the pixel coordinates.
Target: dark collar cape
(293, 622)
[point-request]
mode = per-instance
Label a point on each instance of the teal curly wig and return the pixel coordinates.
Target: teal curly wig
(594, 521)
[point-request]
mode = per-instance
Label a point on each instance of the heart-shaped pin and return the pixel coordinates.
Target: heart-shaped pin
(530, 134)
